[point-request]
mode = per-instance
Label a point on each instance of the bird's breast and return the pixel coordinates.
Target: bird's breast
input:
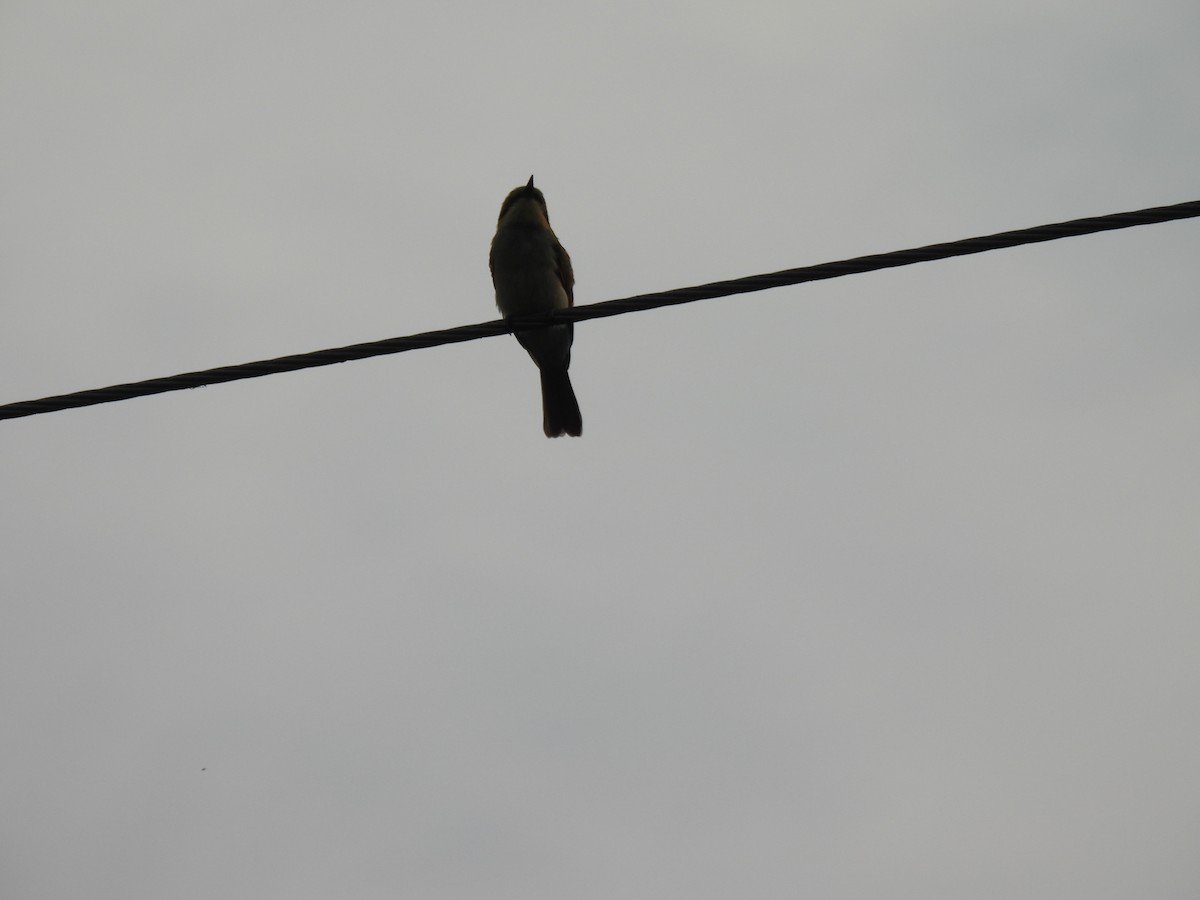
(525, 271)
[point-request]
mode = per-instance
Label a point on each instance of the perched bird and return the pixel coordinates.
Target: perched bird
(532, 274)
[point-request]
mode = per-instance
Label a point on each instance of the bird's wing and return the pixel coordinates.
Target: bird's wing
(562, 262)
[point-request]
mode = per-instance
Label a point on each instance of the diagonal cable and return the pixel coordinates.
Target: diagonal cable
(618, 307)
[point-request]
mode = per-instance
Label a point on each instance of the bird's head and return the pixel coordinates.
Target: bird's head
(524, 205)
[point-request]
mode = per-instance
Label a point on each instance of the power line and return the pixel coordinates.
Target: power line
(675, 297)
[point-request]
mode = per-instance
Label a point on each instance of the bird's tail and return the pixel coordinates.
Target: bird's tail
(560, 409)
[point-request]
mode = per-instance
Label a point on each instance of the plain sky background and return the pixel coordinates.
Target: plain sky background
(887, 586)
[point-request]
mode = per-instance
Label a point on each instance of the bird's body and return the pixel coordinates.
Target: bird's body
(532, 274)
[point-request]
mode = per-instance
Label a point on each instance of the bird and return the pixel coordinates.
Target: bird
(532, 274)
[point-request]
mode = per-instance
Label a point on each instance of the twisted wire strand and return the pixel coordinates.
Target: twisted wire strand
(837, 269)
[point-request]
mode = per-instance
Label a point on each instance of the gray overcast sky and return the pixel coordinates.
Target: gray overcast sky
(887, 586)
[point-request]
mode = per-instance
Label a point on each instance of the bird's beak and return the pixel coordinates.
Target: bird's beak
(530, 182)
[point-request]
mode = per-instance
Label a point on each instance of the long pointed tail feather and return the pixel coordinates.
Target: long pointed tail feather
(560, 409)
